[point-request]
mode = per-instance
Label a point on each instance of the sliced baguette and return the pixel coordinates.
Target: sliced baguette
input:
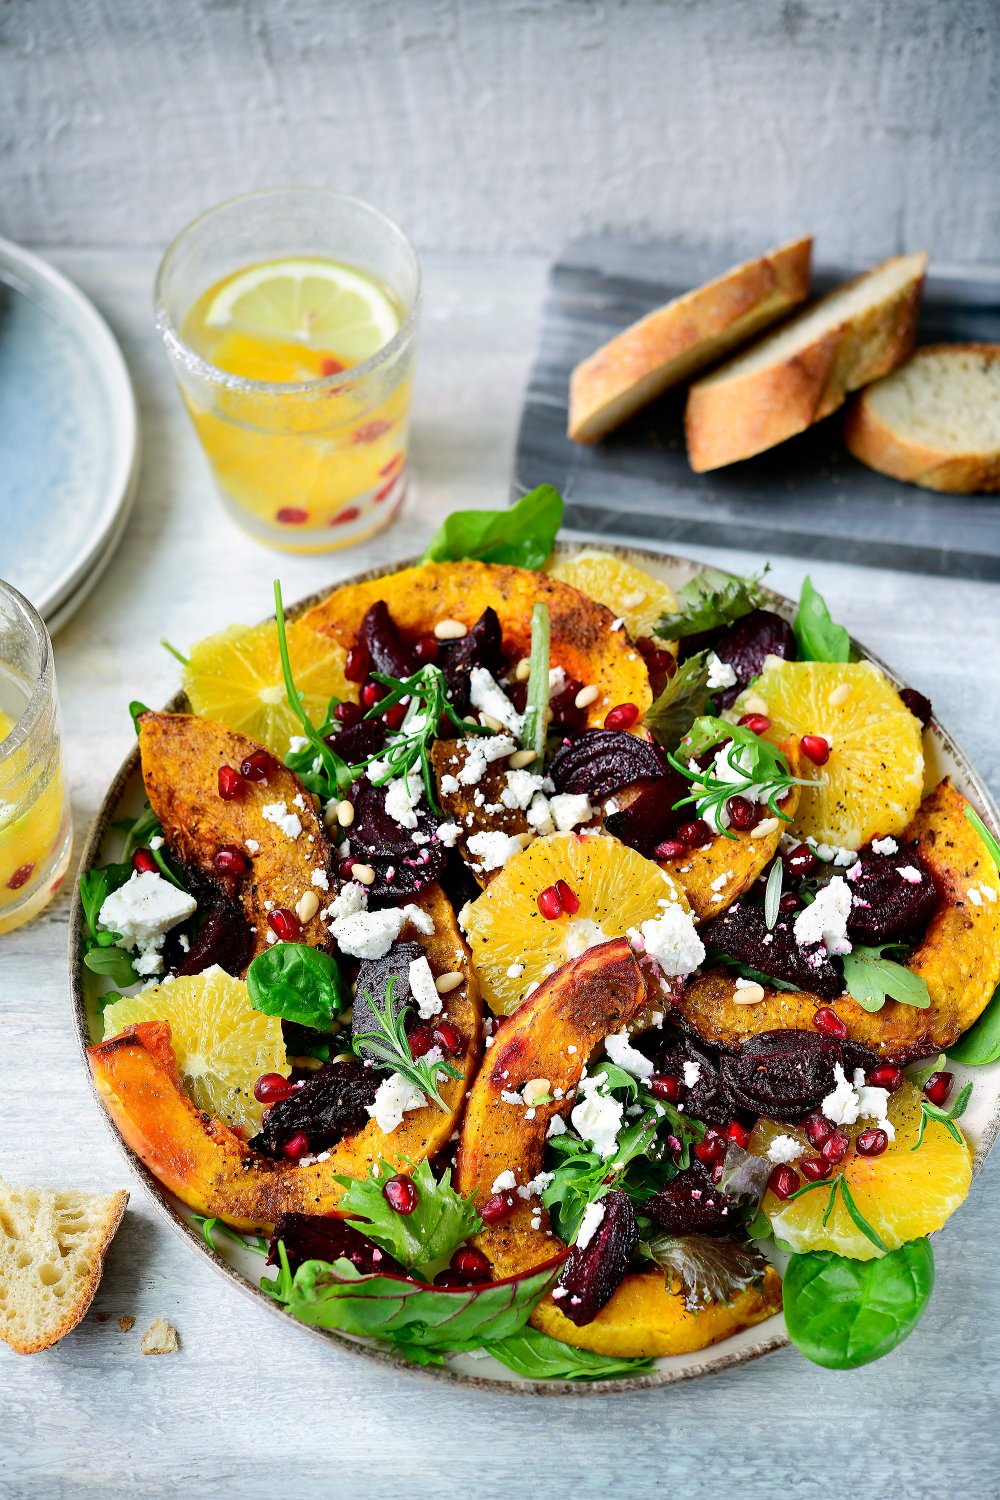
(52, 1248)
(935, 421)
(676, 340)
(804, 371)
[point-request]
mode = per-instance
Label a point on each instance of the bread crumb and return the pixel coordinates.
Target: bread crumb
(101, 1317)
(160, 1338)
(125, 1323)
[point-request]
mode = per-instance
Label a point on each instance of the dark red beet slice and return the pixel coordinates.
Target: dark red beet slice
(316, 1237)
(919, 706)
(692, 1204)
(601, 761)
(389, 653)
(742, 933)
(745, 645)
(481, 646)
(886, 905)
(373, 978)
(786, 1074)
(591, 1276)
(330, 1105)
(702, 1100)
(224, 938)
(402, 868)
(359, 741)
(651, 816)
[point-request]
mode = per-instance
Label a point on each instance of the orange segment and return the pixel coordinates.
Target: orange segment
(630, 593)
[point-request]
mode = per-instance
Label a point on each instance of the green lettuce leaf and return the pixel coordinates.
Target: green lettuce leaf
(818, 638)
(709, 601)
(298, 983)
(683, 700)
(521, 536)
(424, 1240)
(536, 1356)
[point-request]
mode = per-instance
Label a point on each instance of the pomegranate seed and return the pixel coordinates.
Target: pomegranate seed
(344, 517)
(292, 515)
(346, 868)
(695, 834)
(836, 1147)
(271, 1088)
(621, 717)
(818, 1130)
(738, 1133)
(401, 1195)
(669, 849)
(827, 1021)
(296, 1146)
(814, 1168)
(783, 1181)
(549, 903)
(421, 1040)
(656, 659)
(143, 861)
(789, 902)
(231, 784)
(348, 714)
(372, 693)
(449, 1038)
(815, 748)
(427, 650)
(885, 1076)
(394, 716)
(871, 1142)
(358, 663)
(260, 766)
(568, 897)
(712, 1148)
(498, 1208)
(471, 1264)
(743, 815)
(22, 875)
(386, 490)
(800, 861)
(370, 432)
(394, 463)
(285, 923)
(330, 366)
(230, 861)
(665, 1086)
(756, 723)
(449, 1278)
(938, 1087)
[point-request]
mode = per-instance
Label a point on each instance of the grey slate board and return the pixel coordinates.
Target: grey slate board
(807, 498)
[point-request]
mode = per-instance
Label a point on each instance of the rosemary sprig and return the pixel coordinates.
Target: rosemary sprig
(426, 694)
(840, 1184)
(945, 1117)
(753, 761)
(338, 773)
(389, 1045)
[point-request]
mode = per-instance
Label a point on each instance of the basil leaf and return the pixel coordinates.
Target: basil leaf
(114, 963)
(683, 700)
(843, 1313)
(424, 1240)
(872, 979)
(710, 1271)
(95, 888)
(711, 600)
(298, 983)
(818, 638)
(521, 536)
(136, 708)
(536, 1356)
(536, 710)
(981, 1043)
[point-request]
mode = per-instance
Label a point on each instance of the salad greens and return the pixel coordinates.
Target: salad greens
(772, 894)
(843, 1313)
(536, 712)
(298, 983)
(425, 693)
(752, 761)
(945, 1117)
(522, 536)
(424, 1240)
(389, 1046)
(536, 1356)
(711, 600)
(709, 1270)
(981, 1043)
(684, 699)
(817, 637)
(871, 978)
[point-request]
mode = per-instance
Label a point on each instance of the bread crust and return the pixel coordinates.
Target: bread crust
(682, 337)
(728, 420)
(874, 442)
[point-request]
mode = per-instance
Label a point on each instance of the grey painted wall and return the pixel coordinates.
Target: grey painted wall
(510, 124)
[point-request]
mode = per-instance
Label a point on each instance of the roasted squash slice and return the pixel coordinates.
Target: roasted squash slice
(210, 1168)
(582, 640)
(959, 956)
(552, 1036)
(181, 758)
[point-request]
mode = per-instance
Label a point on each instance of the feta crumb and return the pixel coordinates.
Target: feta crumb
(569, 809)
(539, 814)
(493, 850)
(401, 798)
(157, 841)
(394, 1097)
(618, 623)
(593, 1217)
(486, 695)
(692, 1072)
(370, 934)
(825, 920)
(449, 785)
(833, 854)
(296, 742)
(785, 1148)
(671, 940)
(885, 846)
(598, 1117)
(423, 989)
(520, 788)
(720, 673)
(278, 814)
(320, 878)
(252, 846)
(505, 1183)
(910, 874)
(721, 880)
(841, 1105)
(515, 971)
(481, 752)
(142, 912)
(557, 682)
(557, 1126)
(352, 899)
(536, 1187)
(621, 1052)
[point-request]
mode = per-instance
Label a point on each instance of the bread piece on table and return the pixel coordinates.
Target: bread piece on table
(160, 1338)
(800, 374)
(935, 421)
(675, 341)
(52, 1247)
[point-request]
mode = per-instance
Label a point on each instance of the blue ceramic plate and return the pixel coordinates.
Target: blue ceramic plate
(68, 435)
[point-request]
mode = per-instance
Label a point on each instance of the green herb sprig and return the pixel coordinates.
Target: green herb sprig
(945, 1117)
(754, 761)
(389, 1047)
(427, 692)
(840, 1184)
(536, 711)
(339, 776)
(711, 600)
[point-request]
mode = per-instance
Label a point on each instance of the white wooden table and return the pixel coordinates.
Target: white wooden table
(250, 1407)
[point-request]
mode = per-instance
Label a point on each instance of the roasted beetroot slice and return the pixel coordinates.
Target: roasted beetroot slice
(329, 1105)
(886, 903)
(389, 653)
(359, 741)
(481, 646)
(746, 644)
(742, 933)
(374, 834)
(591, 1276)
(651, 816)
(601, 761)
(692, 1204)
(920, 706)
(784, 1075)
(224, 938)
(373, 979)
(317, 1237)
(399, 880)
(702, 1099)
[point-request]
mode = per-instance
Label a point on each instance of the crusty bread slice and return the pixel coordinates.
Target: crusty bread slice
(52, 1247)
(804, 371)
(935, 421)
(689, 333)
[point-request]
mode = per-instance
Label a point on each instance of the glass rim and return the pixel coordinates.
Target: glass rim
(183, 352)
(42, 685)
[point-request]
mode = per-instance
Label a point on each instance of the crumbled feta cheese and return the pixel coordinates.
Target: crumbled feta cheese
(515, 971)
(841, 1105)
(394, 1097)
(785, 1148)
(509, 1096)
(353, 898)
(832, 854)
(598, 1117)
(296, 743)
(423, 989)
(885, 846)
(493, 850)
(320, 878)
(447, 834)
(370, 934)
(722, 879)
(536, 1187)
(671, 940)
(278, 814)
(593, 1217)
(142, 912)
(539, 815)
(401, 798)
(569, 809)
(480, 753)
(486, 695)
(977, 894)
(825, 920)
(157, 841)
(734, 771)
(618, 623)
(520, 788)
(505, 1183)
(692, 1072)
(720, 673)
(557, 682)
(557, 1126)
(910, 874)
(621, 1052)
(449, 785)
(185, 942)
(299, 801)
(252, 846)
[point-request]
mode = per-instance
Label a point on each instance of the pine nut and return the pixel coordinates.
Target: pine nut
(445, 983)
(765, 827)
(749, 994)
(840, 695)
(308, 1064)
(345, 813)
(587, 695)
(307, 906)
(535, 1090)
(330, 814)
(488, 722)
(522, 758)
(449, 630)
(523, 670)
(364, 873)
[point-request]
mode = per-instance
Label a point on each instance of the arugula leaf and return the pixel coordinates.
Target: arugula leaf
(711, 600)
(521, 536)
(536, 712)
(872, 979)
(945, 1117)
(424, 1240)
(112, 962)
(683, 700)
(981, 1043)
(709, 1270)
(818, 638)
(843, 1313)
(298, 983)
(536, 1356)
(209, 1227)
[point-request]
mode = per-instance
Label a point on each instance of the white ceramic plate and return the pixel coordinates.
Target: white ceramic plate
(68, 435)
(981, 1123)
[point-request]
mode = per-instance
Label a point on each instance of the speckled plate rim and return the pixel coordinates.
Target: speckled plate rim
(746, 1345)
(64, 593)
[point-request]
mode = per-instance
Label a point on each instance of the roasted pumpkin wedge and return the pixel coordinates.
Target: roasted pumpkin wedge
(552, 1036)
(582, 640)
(211, 1169)
(959, 956)
(181, 759)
